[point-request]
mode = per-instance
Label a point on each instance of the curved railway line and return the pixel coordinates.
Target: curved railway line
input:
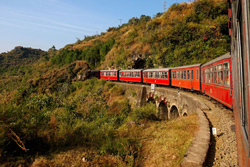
(222, 150)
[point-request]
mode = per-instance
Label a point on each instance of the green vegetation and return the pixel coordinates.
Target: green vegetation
(17, 66)
(187, 33)
(93, 55)
(92, 114)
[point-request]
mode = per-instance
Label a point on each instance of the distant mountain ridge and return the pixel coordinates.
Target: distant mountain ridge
(21, 56)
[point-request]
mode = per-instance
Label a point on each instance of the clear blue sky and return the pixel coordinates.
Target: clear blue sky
(44, 23)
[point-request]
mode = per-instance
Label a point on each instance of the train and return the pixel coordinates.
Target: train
(212, 78)
(239, 31)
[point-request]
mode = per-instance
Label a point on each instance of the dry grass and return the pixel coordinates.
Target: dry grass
(146, 48)
(164, 143)
(83, 157)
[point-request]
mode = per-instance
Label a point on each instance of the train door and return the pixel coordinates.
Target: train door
(192, 79)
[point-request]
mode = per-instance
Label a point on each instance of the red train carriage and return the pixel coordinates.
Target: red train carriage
(159, 76)
(187, 77)
(239, 14)
(130, 75)
(111, 75)
(217, 81)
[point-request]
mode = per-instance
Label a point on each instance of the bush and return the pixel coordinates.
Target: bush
(145, 112)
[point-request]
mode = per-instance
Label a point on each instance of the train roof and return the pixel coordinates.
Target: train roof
(132, 70)
(158, 69)
(109, 70)
(193, 65)
(225, 56)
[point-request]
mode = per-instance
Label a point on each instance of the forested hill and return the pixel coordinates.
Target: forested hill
(186, 33)
(19, 57)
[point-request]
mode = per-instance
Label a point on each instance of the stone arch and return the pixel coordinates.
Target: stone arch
(184, 111)
(184, 114)
(150, 100)
(174, 113)
(162, 110)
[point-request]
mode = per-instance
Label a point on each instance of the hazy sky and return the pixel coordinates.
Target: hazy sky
(44, 23)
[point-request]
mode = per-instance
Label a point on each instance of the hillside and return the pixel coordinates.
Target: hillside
(50, 115)
(19, 57)
(186, 33)
(19, 65)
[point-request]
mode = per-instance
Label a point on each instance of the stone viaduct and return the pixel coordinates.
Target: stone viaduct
(170, 104)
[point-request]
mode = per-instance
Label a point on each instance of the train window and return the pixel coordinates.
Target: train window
(178, 74)
(181, 74)
(240, 80)
(161, 75)
(211, 75)
(153, 75)
(215, 74)
(166, 75)
(184, 75)
(220, 74)
(226, 74)
(131, 74)
(206, 75)
(157, 75)
(188, 74)
(192, 74)
(115, 74)
(150, 75)
(197, 74)
(174, 74)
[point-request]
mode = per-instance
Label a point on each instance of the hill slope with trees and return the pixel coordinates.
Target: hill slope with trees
(186, 33)
(45, 109)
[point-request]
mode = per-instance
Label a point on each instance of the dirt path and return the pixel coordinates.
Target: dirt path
(222, 151)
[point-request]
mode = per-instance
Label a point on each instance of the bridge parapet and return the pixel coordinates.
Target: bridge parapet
(174, 100)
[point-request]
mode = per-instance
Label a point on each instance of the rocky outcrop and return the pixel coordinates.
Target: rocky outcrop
(76, 71)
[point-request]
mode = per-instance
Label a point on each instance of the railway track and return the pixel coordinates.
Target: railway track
(222, 150)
